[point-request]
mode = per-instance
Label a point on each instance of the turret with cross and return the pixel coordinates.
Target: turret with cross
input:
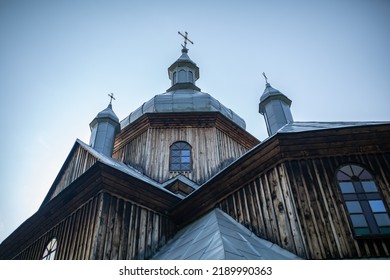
(183, 72)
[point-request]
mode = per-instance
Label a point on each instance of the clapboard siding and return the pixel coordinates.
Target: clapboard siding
(212, 150)
(265, 206)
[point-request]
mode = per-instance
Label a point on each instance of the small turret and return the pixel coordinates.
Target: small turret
(275, 107)
(104, 127)
(183, 72)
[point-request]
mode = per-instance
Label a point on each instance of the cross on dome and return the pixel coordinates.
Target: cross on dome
(111, 95)
(265, 77)
(185, 39)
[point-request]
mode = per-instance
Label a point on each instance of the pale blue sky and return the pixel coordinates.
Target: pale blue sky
(60, 59)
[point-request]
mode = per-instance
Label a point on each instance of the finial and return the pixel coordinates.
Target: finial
(185, 40)
(111, 97)
(265, 77)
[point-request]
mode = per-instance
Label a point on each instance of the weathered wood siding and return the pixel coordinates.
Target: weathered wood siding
(298, 206)
(74, 235)
(212, 150)
(321, 211)
(265, 206)
(81, 161)
(106, 227)
(129, 231)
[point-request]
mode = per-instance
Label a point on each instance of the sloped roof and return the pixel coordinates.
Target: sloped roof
(310, 126)
(183, 100)
(217, 236)
(134, 172)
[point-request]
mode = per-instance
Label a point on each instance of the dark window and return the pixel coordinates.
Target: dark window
(190, 77)
(363, 201)
(50, 250)
(180, 158)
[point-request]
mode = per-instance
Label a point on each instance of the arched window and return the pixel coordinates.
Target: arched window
(50, 250)
(190, 77)
(182, 76)
(364, 203)
(180, 157)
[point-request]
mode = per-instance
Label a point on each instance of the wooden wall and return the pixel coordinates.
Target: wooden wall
(297, 205)
(265, 207)
(321, 211)
(212, 149)
(106, 227)
(75, 166)
(129, 231)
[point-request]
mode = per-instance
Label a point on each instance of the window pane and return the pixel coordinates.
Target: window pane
(185, 153)
(175, 160)
(362, 231)
(176, 145)
(185, 160)
(342, 176)
(176, 153)
(186, 167)
(356, 169)
(175, 167)
(382, 219)
(365, 175)
(354, 207)
(369, 186)
(358, 220)
(377, 206)
(346, 187)
(347, 170)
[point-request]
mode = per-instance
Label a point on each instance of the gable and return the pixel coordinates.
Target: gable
(78, 161)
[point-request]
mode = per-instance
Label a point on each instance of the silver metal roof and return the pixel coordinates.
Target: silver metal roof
(217, 236)
(128, 169)
(309, 126)
(107, 113)
(183, 100)
(271, 94)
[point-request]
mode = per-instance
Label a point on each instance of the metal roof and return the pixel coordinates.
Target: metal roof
(183, 100)
(217, 236)
(134, 172)
(310, 126)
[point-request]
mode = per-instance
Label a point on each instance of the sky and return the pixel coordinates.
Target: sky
(60, 59)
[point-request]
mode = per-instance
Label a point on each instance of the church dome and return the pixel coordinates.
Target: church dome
(271, 93)
(183, 100)
(183, 95)
(107, 113)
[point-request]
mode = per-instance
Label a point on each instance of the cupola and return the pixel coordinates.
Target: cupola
(183, 72)
(104, 127)
(275, 107)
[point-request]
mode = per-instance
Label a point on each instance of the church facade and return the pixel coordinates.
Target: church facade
(181, 178)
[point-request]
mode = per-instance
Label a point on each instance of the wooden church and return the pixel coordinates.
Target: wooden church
(181, 178)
